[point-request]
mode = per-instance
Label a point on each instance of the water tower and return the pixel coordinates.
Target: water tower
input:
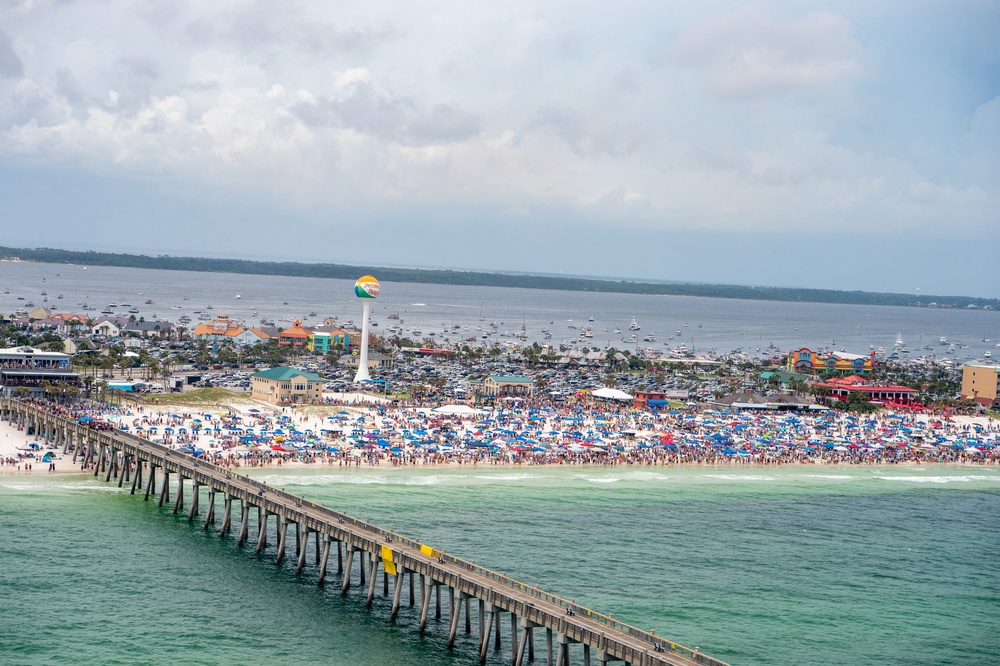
(366, 288)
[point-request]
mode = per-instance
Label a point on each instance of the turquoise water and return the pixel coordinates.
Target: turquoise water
(816, 565)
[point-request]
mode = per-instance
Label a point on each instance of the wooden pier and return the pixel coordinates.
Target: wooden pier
(473, 594)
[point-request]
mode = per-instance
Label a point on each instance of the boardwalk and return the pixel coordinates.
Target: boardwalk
(570, 630)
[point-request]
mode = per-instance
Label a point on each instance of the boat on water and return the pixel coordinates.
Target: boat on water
(149, 301)
(133, 310)
(238, 297)
(899, 340)
(649, 337)
(943, 340)
(634, 326)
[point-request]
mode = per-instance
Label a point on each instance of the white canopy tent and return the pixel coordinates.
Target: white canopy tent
(611, 394)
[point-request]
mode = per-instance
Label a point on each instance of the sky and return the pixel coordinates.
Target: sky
(842, 145)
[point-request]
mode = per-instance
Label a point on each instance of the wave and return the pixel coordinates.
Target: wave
(741, 477)
(506, 477)
(939, 479)
(828, 476)
(329, 480)
(611, 479)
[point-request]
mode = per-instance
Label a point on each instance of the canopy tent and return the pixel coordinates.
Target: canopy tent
(607, 393)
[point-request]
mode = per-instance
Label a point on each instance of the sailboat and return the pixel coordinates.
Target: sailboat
(899, 340)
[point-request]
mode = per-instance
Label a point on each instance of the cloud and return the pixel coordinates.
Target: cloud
(10, 63)
(750, 53)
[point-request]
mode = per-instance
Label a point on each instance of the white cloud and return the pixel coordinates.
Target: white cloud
(750, 53)
(517, 108)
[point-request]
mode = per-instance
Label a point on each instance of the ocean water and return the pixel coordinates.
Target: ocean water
(764, 566)
(703, 323)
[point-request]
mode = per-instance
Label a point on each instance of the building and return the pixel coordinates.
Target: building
(286, 385)
(318, 342)
(219, 330)
(778, 402)
(842, 388)
(981, 382)
(498, 386)
(647, 399)
(806, 360)
(375, 361)
(30, 370)
(295, 336)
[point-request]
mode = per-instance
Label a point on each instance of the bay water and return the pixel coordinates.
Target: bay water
(702, 324)
(815, 565)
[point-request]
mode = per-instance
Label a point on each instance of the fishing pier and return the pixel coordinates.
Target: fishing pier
(460, 594)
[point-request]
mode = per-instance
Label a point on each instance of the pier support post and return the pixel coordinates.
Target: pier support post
(282, 533)
(210, 514)
(397, 592)
(426, 585)
(413, 574)
(138, 473)
(137, 476)
(340, 557)
(165, 489)
(497, 641)
(385, 582)
(519, 649)
(244, 520)
(484, 642)
(179, 501)
(124, 468)
(227, 520)
(456, 613)
(548, 647)
(323, 558)
(347, 569)
(513, 636)
(195, 496)
(372, 579)
(302, 550)
(586, 655)
(262, 530)
(151, 483)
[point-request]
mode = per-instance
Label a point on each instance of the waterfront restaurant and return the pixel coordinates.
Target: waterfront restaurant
(841, 388)
(283, 385)
(27, 369)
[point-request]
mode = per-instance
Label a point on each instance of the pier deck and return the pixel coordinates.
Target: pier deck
(124, 457)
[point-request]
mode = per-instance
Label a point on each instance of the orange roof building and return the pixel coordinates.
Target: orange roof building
(295, 336)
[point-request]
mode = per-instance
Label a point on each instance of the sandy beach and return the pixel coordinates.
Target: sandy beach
(339, 427)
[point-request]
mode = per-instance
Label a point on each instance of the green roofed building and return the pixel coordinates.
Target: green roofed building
(285, 384)
(507, 385)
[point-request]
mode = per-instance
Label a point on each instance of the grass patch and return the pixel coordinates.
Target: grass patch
(200, 397)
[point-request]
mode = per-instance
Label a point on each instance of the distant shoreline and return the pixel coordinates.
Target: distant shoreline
(487, 279)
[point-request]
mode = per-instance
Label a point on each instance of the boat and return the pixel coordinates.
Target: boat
(44, 293)
(634, 326)
(943, 340)
(649, 338)
(238, 297)
(59, 297)
(394, 315)
(899, 340)
(987, 354)
(133, 310)
(149, 301)
(125, 305)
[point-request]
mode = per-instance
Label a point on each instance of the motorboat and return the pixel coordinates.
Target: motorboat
(634, 326)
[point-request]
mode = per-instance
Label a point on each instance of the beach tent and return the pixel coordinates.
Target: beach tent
(607, 393)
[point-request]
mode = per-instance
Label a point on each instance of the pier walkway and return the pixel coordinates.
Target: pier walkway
(570, 630)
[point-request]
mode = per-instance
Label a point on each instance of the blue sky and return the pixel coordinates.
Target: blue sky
(848, 145)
